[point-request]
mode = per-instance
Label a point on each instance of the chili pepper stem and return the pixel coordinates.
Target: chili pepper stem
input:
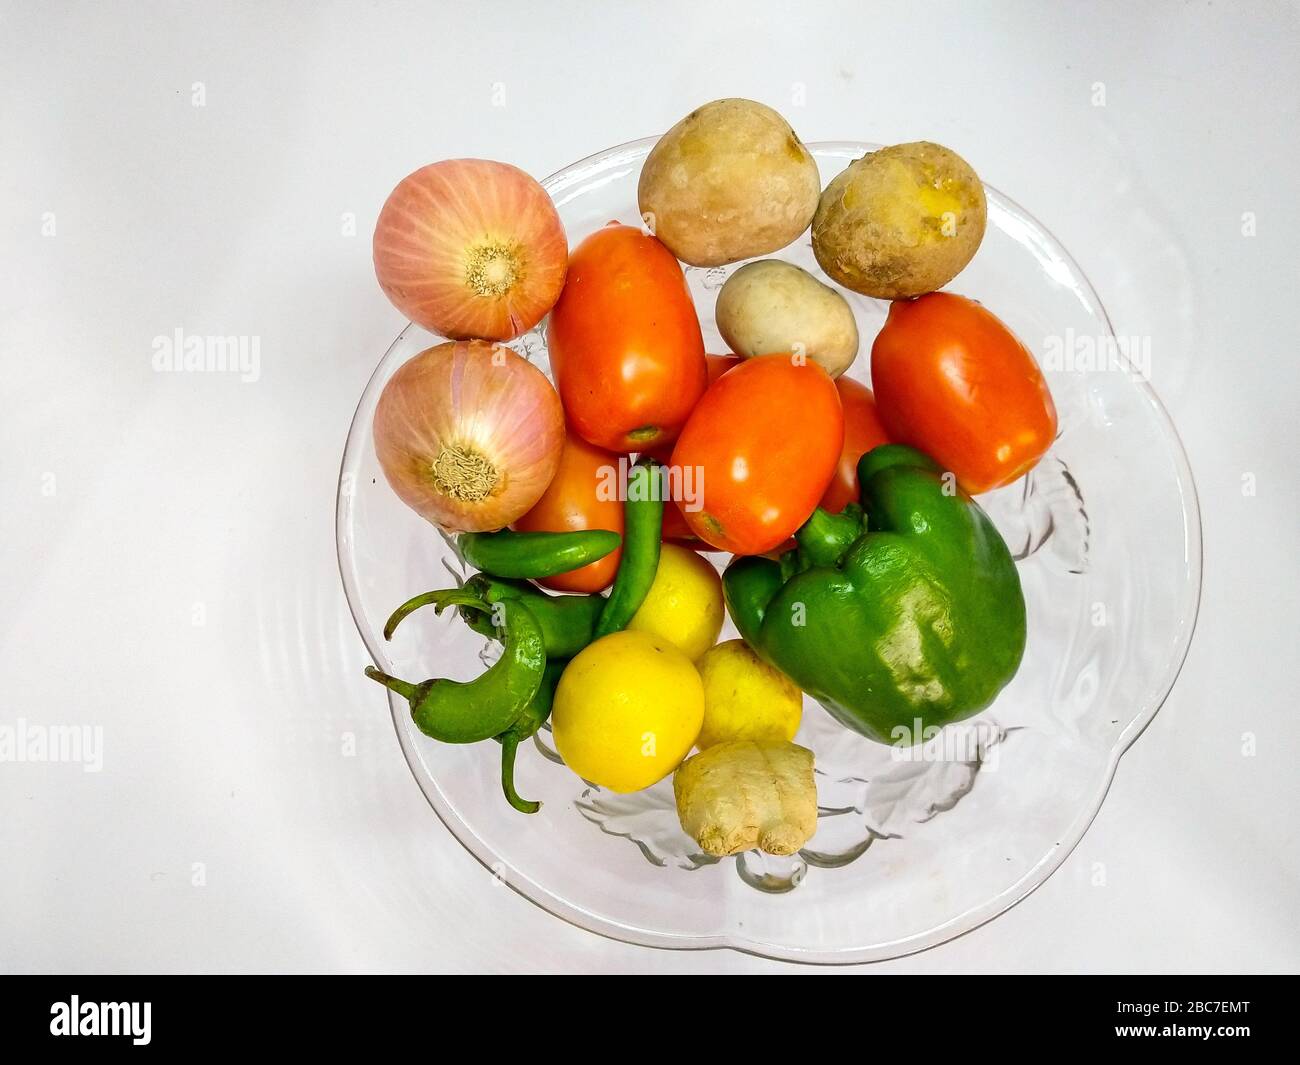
(401, 687)
(439, 599)
(509, 745)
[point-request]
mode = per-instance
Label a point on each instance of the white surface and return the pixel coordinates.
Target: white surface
(138, 503)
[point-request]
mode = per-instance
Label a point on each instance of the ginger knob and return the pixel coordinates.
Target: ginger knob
(748, 794)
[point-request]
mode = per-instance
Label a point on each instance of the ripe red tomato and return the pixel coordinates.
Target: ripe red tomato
(952, 380)
(762, 445)
(625, 342)
(675, 528)
(717, 366)
(572, 502)
(862, 432)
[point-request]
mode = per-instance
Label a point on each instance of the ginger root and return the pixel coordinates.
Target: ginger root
(744, 794)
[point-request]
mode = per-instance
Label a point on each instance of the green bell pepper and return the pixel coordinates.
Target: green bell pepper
(898, 618)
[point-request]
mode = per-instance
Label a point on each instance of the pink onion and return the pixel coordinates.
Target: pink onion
(469, 435)
(471, 248)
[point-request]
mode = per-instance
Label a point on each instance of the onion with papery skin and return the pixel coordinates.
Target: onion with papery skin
(471, 248)
(469, 434)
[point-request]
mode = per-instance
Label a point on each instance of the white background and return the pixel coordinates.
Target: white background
(138, 503)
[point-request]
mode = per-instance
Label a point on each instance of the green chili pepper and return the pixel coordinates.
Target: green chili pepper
(533, 718)
(643, 519)
(535, 554)
(467, 712)
(567, 621)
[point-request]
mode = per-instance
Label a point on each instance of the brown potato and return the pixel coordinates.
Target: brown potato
(772, 306)
(728, 182)
(901, 221)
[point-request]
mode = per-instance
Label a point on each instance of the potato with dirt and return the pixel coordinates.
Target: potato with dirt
(730, 181)
(901, 221)
(772, 306)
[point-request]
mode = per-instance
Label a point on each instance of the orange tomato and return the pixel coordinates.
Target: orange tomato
(762, 445)
(675, 528)
(862, 432)
(625, 342)
(717, 365)
(573, 502)
(952, 380)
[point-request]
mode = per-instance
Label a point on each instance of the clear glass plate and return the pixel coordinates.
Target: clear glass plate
(910, 851)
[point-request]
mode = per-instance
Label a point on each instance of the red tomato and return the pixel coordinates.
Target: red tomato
(952, 380)
(625, 343)
(862, 432)
(762, 444)
(676, 531)
(573, 501)
(675, 527)
(717, 366)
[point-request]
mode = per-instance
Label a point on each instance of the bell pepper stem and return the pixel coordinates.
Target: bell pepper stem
(824, 537)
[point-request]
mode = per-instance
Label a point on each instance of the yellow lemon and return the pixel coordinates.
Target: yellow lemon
(627, 711)
(745, 698)
(684, 604)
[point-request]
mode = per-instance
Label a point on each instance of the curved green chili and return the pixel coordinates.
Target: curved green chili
(567, 621)
(533, 718)
(467, 712)
(535, 554)
(643, 518)
(439, 599)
